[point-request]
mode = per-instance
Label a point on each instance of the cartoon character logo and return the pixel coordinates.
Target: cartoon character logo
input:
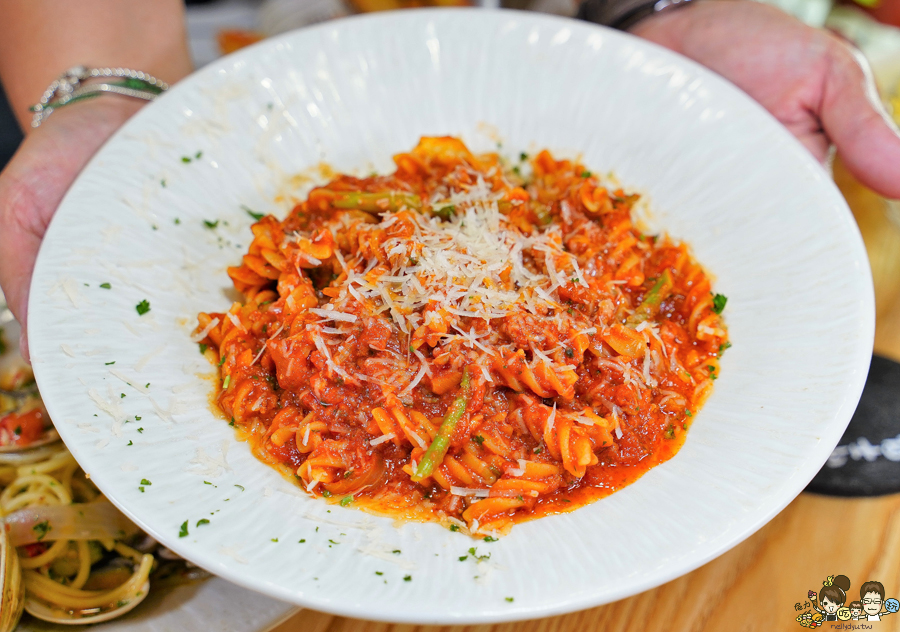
(829, 603)
(832, 596)
(871, 594)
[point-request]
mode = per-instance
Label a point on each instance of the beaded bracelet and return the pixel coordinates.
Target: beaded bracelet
(70, 87)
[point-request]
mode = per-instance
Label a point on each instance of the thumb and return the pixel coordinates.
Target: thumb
(855, 120)
(19, 242)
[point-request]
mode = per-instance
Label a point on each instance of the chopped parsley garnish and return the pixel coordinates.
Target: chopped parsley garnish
(198, 155)
(136, 418)
(106, 286)
(41, 529)
(332, 541)
(346, 500)
(478, 558)
(479, 439)
(454, 527)
(489, 538)
(109, 363)
(510, 599)
(222, 360)
(183, 532)
(130, 442)
(141, 430)
(407, 578)
(585, 174)
(326, 494)
(688, 413)
(226, 382)
(301, 540)
(177, 221)
(121, 395)
(144, 481)
(185, 159)
(719, 301)
(723, 347)
(240, 487)
(141, 489)
(249, 211)
(396, 551)
(379, 573)
(274, 539)
(202, 521)
(143, 307)
(537, 450)
(570, 352)
(203, 348)
(210, 225)
(523, 156)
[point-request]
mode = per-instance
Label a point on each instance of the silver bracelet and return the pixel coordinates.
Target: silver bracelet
(623, 14)
(70, 87)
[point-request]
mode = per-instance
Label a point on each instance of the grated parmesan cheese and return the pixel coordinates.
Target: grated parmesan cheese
(203, 333)
(466, 491)
(378, 440)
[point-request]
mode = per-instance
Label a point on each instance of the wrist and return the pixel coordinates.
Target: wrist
(48, 37)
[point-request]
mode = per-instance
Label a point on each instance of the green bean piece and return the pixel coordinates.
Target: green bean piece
(438, 448)
(650, 305)
(375, 202)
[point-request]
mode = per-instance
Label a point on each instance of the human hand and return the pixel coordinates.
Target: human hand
(809, 79)
(35, 180)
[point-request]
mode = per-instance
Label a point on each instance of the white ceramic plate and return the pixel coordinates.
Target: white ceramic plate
(720, 173)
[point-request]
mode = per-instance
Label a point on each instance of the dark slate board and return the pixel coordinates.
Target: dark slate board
(866, 461)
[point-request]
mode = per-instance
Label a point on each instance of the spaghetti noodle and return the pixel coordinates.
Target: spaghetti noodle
(62, 528)
(465, 342)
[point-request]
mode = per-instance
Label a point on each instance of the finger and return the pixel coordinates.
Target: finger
(19, 243)
(816, 142)
(855, 120)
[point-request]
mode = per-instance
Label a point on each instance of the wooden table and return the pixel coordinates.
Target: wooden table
(755, 585)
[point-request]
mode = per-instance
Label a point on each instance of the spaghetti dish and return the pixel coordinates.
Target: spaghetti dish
(465, 341)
